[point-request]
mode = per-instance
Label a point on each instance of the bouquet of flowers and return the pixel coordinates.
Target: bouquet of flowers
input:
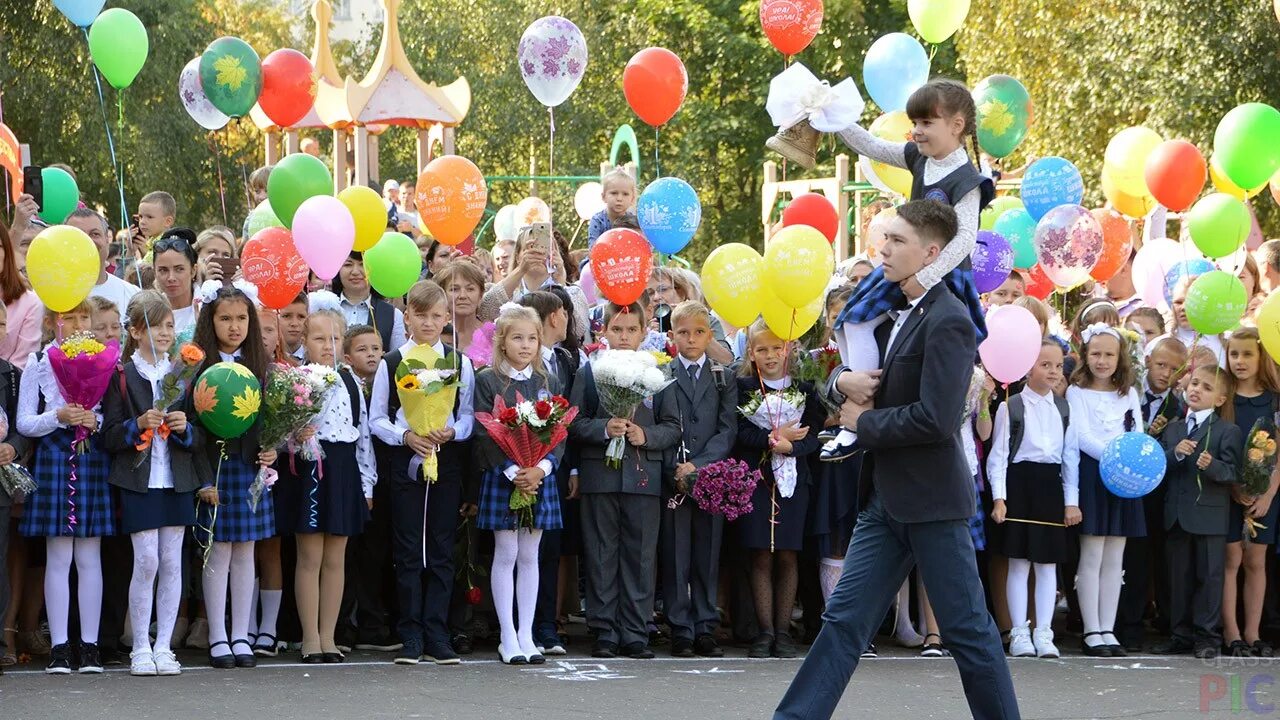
(816, 367)
(172, 387)
(1137, 356)
(1258, 463)
(725, 487)
(625, 379)
(15, 480)
(770, 411)
(294, 398)
(527, 432)
(481, 348)
(427, 385)
(83, 368)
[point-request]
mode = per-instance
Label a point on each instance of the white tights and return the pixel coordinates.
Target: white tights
(829, 570)
(1046, 592)
(236, 560)
(858, 352)
(155, 552)
(515, 553)
(1098, 581)
(57, 586)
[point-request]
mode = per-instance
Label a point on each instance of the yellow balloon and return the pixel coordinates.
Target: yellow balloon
(1134, 206)
(731, 278)
(1223, 184)
(1127, 157)
(786, 323)
(896, 127)
(63, 266)
(798, 263)
(1268, 320)
(369, 213)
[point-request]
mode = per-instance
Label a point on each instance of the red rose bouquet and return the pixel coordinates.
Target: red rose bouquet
(527, 432)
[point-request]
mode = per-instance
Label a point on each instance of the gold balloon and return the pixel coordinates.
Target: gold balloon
(895, 127)
(1131, 205)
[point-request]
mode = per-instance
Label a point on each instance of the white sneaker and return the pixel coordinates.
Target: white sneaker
(142, 663)
(167, 663)
(1020, 642)
(198, 637)
(1044, 643)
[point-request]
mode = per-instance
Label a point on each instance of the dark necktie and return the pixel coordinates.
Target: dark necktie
(1191, 426)
(693, 372)
(551, 364)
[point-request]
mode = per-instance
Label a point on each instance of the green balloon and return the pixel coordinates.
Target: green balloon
(1215, 302)
(261, 218)
(1246, 145)
(231, 76)
(118, 44)
(393, 264)
(227, 398)
(1004, 114)
(997, 208)
(61, 196)
(293, 180)
(1019, 228)
(1219, 224)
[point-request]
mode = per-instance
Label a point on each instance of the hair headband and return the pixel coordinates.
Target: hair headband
(1097, 329)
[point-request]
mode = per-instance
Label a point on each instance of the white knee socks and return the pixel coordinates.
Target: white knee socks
(1046, 592)
(1112, 578)
(515, 553)
(242, 577)
(270, 612)
(87, 553)
(1098, 582)
(215, 597)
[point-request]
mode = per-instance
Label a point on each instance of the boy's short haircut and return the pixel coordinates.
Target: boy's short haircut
(618, 175)
(301, 299)
(100, 304)
(354, 332)
(164, 200)
(690, 310)
(1269, 251)
(1171, 344)
(936, 222)
(611, 310)
(1016, 276)
(424, 295)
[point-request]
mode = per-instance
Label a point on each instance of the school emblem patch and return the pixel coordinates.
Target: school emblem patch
(938, 194)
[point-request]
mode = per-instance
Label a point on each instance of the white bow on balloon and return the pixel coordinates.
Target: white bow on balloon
(796, 94)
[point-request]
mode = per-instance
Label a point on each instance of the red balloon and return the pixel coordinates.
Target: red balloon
(621, 262)
(1117, 244)
(791, 24)
(1039, 286)
(655, 82)
(814, 210)
(288, 87)
(1175, 174)
(270, 261)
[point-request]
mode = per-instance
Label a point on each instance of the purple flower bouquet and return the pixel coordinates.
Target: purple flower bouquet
(725, 487)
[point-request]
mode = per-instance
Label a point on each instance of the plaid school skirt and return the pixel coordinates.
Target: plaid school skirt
(234, 521)
(50, 508)
(495, 498)
(876, 296)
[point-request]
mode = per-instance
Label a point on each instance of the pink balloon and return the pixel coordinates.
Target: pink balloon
(587, 282)
(1012, 344)
(1156, 258)
(324, 233)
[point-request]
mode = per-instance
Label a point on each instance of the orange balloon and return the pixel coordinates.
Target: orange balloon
(451, 197)
(1117, 244)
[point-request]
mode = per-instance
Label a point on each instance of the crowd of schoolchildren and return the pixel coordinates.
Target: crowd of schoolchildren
(133, 555)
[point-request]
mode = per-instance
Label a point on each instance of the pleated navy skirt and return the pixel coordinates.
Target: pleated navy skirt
(329, 499)
(156, 508)
(1106, 514)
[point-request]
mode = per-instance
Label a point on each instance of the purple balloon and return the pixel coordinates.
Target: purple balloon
(992, 261)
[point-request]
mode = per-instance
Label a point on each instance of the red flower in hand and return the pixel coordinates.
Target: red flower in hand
(508, 416)
(543, 409)
(474, 595)
(560, 402)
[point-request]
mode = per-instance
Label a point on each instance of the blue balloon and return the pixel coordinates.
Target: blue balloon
(669, 214)
(1017, 227)
(895, 66)
(81, 13)
(1050, 182)
(1186, 268)
(1132, 465)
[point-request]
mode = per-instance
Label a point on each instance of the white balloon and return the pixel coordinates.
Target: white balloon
(589, 200)
(504, 225)
(552, 56)
(196, 102)
(1156, 258)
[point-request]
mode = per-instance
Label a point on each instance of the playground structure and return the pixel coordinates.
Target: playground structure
(848, 195)
(390, 94)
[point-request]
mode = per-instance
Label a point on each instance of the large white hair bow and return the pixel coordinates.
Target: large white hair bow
(797, 94)
(1097, 329)
(208, 290)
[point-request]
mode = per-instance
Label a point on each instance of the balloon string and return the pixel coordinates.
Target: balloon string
(115, 161)
(71, 489)
(217, 161)
(657, 170)
(315, 489)
(551, 166)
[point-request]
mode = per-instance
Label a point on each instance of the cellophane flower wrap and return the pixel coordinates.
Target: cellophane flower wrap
(1259, 460)
(294, 398)
(527, 432)
(725, 487)
(83, 368)
(427, 385)
(15, 480)
(770, 411)
(625, 379)
(182, 372)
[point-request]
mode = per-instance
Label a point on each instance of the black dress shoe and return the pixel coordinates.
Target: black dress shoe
(761, 647)
(244, 660)
(1173, 647)
(638, 651)
(313, 658)
(682, 647)
(605, 649)
(223, 662)
(333, 657)
(1094, 650)
(706, 646)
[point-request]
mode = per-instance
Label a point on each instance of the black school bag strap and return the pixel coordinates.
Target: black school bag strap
(1018, 419)
(40, 401)
(353, 392)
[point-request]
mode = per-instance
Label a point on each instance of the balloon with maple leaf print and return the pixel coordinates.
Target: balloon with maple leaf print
(227, 398)
(231, 76)
(1005, 114)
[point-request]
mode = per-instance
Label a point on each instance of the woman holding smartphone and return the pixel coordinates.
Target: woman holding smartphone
(534, 268)
(216, 255)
